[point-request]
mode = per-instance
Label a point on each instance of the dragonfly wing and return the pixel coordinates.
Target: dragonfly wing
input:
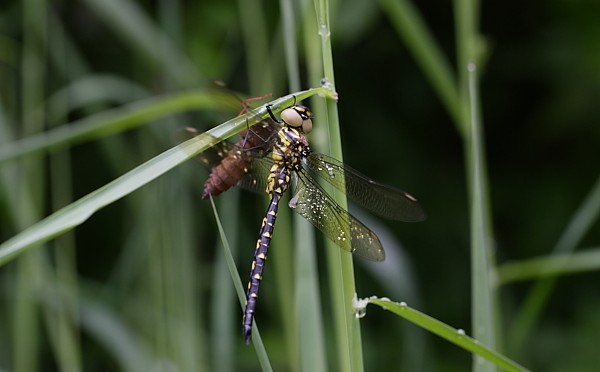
(258, 163)
(312, 202)
(256, 178)
(212, 155)
(383, 200)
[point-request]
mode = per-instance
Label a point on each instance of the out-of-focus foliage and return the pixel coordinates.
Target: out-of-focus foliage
(137, 281)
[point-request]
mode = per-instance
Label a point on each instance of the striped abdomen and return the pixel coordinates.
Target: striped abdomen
(277, 184)
(236, 163)
(258, 265)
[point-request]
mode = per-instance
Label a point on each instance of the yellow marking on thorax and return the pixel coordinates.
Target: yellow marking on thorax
(283, 156)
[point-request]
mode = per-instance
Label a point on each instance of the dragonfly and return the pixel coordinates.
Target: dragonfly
(276, 152)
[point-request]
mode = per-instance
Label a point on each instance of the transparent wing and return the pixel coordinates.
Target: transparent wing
(312, 202)
(256, 178)
(383, 200)
(254, 159)
(256, 141)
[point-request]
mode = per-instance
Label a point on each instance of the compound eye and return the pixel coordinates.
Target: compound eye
(299, 117)
(307, 126)
(292, 117)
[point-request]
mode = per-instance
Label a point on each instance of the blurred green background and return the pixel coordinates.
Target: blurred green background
(138, 279)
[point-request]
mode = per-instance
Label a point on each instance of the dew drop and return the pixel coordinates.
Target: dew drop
(360, 312)
(403, 304)
(461, 332)
(360, 306)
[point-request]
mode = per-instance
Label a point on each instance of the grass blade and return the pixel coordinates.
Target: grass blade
(340, 265)
(550, 266)
(129, 21)
(482, 260)
(578, 226)
(261, 352)
(456, 336)
(411, 27)
(79, 211)
(114, 121)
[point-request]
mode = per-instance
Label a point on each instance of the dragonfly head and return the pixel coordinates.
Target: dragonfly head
(299, 117)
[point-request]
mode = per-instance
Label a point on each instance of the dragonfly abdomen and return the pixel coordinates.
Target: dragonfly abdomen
(258, 265)
(277, 184)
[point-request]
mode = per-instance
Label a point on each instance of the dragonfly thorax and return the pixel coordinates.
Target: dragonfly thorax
(290, 149)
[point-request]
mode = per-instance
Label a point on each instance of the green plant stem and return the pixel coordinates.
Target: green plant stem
(30, 269)
(456, 336)
(79, 211)
(578, 226)
(114, 121)
(129, 21)
(550, 266)
(428, 54)
(482, 260)
(256, 46)
(483, 309)
(313, 339)
(341, 269)
(239, 288)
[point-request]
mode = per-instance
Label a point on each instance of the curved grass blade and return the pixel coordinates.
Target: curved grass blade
(78, 212)
(229, 163)
(132, 24)
(456, 336)
(114, 121)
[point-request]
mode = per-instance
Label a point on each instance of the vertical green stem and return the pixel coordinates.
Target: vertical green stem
(290, 46)
(257, 47)
(428, 54)
(308, 319)
(68, 348)
(26, 330)
(341, 269)
(63, 324)
(482, 259)
(483, 309)
(296, 291)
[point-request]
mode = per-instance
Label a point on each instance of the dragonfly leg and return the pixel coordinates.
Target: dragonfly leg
(271, 111)
(271, 114)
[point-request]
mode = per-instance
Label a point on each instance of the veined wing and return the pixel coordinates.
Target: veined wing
(247, 164)
(383, 200)
(317, 207)
(255, 141)
(213, 155)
